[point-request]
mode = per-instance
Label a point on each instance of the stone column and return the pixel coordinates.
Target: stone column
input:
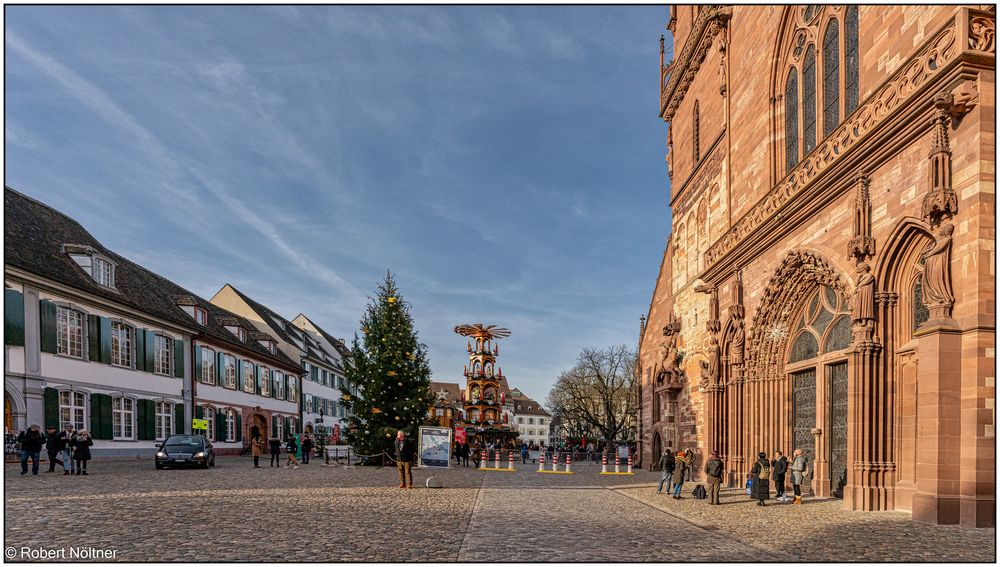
(869, 428)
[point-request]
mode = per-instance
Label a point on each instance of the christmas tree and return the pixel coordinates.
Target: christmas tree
(389, 372)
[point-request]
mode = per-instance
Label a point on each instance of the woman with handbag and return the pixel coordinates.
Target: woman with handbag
(760, 474)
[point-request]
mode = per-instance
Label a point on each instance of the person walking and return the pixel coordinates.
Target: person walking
(524, 453)
(30, 442)
(680, 467)
(81, 451)
(760, 473)
(256, 449)
(477, 454)
(274, 446)
(404, 459)
(779, 466)
(66, 446)
(290, 447)
(465, 453)
(666, 465)
(307, 447)
(713, 474)
(799, 462)
(52, 448)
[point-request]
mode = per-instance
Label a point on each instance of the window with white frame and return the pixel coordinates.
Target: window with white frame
(230, 362)
(294, 424)
(72, 409)
(279, 385)
(293, 389)
(123, 416)
(531, 421)
(248, 377)
(163, 358)
(243, 334)
(520, 420)
(309, 402)
(69, 332)
(104, 272)
(265, 381)
(230, 425)
(200, 316)
(208, 366)
(164, 419)
(279, 430)
(121, 344)
(209, 413)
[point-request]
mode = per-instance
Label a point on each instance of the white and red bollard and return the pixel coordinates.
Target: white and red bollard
(482, 459)
(541, 461)
(555, 461)
(496, 459)
(510, 461)
(569, 459)
(630, 464)
(618, 461)
(604, 464)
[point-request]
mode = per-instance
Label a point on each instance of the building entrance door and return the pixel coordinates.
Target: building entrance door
(837, 387)
(804, 413)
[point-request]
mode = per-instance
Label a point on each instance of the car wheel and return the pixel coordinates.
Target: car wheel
(205, 464)
(212, 462)
(159, 467)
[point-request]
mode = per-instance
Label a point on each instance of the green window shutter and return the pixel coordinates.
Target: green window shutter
(13, 317)
(220, 369)
(140, 348)
(220, 426)
(197, 363)
(95, 415)
(199, 412)
(51, 397)
(150, 350)
(179, 425)
(314, 374)
(107, 425)
(105, 340)
(47, 317)
(94, 338)
(239, 427)
(179, 358)
(140, 419)
(288, 427)
(147, 420)
(274, 425)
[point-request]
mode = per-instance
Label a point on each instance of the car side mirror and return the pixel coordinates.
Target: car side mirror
(159, 445)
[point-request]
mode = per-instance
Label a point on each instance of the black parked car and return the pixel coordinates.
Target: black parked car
(185, 450)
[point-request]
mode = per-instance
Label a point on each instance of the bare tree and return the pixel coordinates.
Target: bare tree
(598, 393)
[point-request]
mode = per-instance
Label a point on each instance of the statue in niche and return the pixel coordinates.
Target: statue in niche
(476, 394)
(937, 274)
(736, 344)
(863, 313)
(710, 369)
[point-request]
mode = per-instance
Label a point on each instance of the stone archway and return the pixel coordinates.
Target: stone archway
(258, 427)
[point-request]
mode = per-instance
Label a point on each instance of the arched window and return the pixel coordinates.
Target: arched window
(850, 60)
(824, 321)
(791, 120)
(809, 102)
(697, 133)
(831, 78)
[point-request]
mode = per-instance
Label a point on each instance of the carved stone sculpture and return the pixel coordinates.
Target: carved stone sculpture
(736, 344)
(982, 34)
(863, 313)
(937, 288)
(713, 306)
(862, 246)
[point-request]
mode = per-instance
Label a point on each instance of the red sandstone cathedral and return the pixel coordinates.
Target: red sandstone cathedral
(828, 281)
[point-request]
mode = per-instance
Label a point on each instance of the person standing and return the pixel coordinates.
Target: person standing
(81, 451)
(689, 462)
(274, 446)
(680, 467)
(31, 442)
(307, 446)
(780, 467)
(524, 453)
(66, 446)
(798, 474)
(666, 465)
(713, 474)
(290, 447)
(404, 459)
(760, 473)
(52, 447)
(256, 449)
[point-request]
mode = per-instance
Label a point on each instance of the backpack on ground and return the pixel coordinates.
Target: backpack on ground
(699, 492)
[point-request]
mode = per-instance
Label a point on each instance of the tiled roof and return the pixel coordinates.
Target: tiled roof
(523, 405)
(453, 392)
(34, 239)
(337, 343)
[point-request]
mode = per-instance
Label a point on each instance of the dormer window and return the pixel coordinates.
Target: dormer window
(272, 347)
(104, 272)
(242, 334)
(200, 316)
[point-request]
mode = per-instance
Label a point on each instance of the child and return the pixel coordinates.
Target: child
(291, 447)
(81, 451)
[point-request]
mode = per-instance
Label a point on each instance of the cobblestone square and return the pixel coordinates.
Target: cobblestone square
(320, 513)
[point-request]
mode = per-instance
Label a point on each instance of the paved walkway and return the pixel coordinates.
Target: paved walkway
(317, 513)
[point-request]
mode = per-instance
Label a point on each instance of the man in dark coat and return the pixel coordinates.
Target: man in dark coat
(307, 446)
(780, 466)
(52, 448)
(666, 465)
(713, 474)
(31, 442)
(760, 487)
(404, 459)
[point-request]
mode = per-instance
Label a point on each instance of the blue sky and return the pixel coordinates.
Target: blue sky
(506, 163)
